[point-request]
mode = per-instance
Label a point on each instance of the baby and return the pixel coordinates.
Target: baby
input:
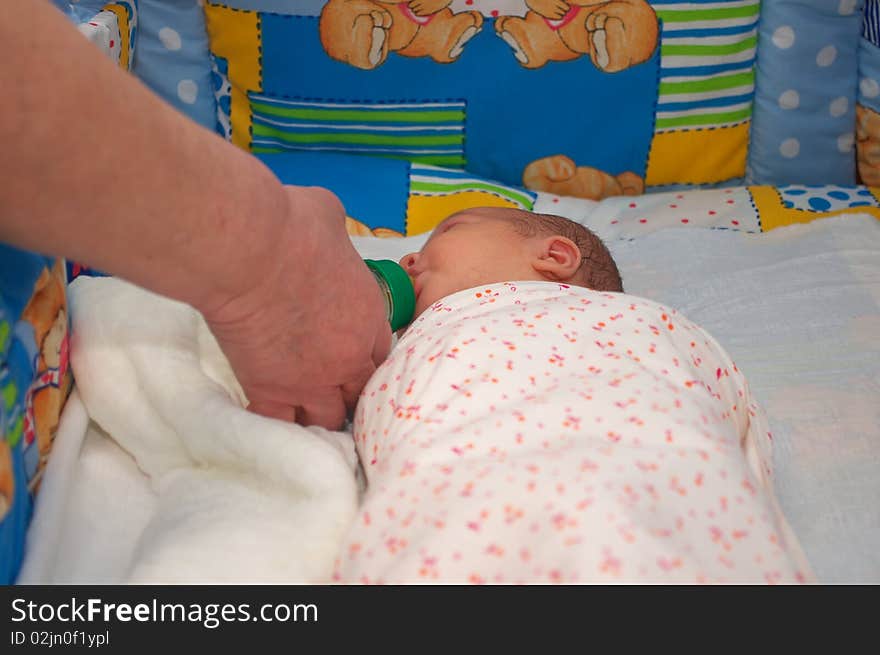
(534, 424)
(492, 244)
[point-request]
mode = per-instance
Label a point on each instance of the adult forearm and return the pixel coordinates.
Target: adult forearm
(98, 169)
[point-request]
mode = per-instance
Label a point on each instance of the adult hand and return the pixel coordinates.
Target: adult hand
(272, 270)
(304, 339)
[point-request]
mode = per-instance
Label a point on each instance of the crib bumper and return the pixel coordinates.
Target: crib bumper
(35, 379)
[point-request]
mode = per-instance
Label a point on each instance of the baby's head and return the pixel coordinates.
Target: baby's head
(494, 244)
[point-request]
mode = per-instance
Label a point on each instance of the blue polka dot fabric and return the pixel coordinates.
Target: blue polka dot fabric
(171, 56)
(819, 198)
(803, 128)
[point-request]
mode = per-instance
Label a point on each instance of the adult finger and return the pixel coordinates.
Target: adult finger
(382, 345)
(328, 411)
(351, 390)
(273, 409)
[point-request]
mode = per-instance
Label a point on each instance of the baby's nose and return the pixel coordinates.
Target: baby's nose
(409, 261)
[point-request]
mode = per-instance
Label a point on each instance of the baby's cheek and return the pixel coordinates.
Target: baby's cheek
(430, 293)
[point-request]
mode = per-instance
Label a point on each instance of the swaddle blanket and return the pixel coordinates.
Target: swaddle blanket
(535, 432)
(241, 498)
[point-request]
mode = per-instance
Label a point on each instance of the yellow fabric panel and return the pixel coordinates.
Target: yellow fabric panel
(774, 214)
(698, 156)
(423, 213)
(235, 36)
(124, 33)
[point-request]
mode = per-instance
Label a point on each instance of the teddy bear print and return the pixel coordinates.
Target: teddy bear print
(356, 228)
(560, 175)
(363, 32)
(615, 35)
(47, 313)
(868, 145)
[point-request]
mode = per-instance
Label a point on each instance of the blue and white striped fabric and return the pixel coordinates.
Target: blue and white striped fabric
(869, 58)
(871, 24)
(707, 62)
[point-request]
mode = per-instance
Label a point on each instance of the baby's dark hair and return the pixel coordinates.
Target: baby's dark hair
(598, 270)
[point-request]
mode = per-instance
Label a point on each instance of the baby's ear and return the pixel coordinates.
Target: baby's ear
(558, 258)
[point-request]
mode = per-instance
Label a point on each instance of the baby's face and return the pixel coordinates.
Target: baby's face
(469, 249)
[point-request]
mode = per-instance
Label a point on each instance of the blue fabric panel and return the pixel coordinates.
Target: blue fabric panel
(171, 56)
(17, 266)
(171, 52)
(804, 116)
(512, 118)
(18, 272)
(370, 189)
(13, 527)
(869, 75)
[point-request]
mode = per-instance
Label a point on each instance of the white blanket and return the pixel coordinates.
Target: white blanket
(532, 432)
(232, 497)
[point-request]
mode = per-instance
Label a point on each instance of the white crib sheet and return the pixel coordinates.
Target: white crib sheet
(797, 308)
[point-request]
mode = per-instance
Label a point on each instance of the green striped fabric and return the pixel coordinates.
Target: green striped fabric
(430, 132)
(707, 58)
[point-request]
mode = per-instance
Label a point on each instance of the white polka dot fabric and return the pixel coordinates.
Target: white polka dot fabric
(628, 217)
(806, 77)
(172, 56)
(170, 38)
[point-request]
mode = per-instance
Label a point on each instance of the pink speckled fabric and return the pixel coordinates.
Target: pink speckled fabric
(539, 433)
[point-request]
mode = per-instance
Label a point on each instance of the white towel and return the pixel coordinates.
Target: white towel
(239, 498)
